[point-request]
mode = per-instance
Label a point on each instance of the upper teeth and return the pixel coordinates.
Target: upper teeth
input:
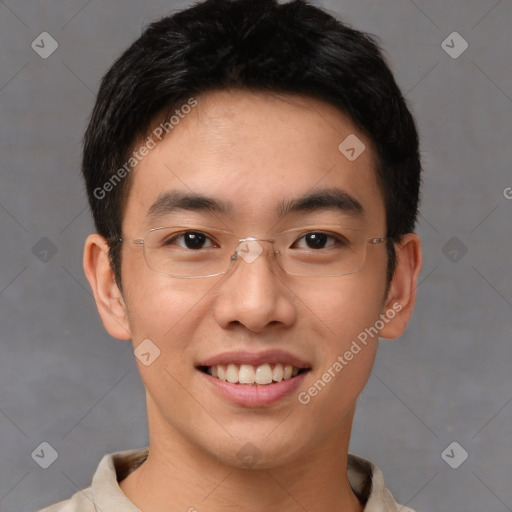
(249, 374)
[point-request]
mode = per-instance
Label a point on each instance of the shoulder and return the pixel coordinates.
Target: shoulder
(368, 483)
(104, 493)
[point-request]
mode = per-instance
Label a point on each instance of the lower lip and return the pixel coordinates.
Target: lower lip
(255, 395)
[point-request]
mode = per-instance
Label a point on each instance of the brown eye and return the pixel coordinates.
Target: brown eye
(316, 240)
(189, 240)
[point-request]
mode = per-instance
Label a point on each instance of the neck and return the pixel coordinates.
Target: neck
(178, 476)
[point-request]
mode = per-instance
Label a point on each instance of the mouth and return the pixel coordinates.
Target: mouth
(264, 374)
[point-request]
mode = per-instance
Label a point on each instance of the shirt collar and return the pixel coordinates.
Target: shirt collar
(365, 479)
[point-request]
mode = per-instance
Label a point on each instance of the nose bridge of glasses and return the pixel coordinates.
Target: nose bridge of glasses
(250, 249)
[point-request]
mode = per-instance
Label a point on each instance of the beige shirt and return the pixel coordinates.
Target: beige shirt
(105, 495)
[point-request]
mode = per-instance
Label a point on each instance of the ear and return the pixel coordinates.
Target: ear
(401, 296)
(108, 297)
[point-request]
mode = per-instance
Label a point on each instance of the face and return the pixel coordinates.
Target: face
(250, 154)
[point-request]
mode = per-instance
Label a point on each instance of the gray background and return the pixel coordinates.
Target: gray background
(63, 380)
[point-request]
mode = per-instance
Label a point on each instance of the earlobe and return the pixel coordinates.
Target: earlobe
(108, 297)
(401, 297)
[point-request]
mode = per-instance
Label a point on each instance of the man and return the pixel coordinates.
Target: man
(253, 173)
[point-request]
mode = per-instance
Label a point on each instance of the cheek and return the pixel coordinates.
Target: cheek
(341, 318)
(161, 308)
(167, 312)
(340, 308)
(164, 310)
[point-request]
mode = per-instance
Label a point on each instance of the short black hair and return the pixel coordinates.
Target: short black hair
(263, 45)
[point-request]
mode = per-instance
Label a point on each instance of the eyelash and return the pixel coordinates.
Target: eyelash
(170, 241)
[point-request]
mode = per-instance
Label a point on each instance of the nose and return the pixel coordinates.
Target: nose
(253, 293)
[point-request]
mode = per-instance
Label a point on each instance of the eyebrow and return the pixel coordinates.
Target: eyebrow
(170, 202)
(324, 199)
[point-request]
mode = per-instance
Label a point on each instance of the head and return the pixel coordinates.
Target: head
(242, 107)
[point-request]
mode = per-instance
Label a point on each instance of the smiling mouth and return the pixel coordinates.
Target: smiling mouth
(248, 374)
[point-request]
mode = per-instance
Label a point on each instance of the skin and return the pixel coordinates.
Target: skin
(252, 149)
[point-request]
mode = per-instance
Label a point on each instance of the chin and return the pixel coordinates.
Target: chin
(259, 451)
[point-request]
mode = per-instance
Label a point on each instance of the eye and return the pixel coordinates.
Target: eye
(317, 240)
(189, 240)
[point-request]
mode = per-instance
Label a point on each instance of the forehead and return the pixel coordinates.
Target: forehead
(254, 154)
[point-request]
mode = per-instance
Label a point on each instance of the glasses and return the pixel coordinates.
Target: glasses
(187, 253)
